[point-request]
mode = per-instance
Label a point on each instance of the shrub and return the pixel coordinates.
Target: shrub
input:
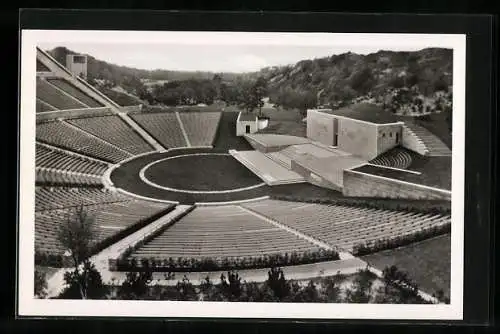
(384, 243)
(40, 284)
(136, 285)
(86, 283)
(227, 263)
(277, 283)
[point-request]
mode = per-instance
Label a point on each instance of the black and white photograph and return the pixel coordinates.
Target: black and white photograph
(241, 174)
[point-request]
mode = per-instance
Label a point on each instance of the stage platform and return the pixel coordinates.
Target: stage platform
(271, 172)
(266, 143)
(308, 162)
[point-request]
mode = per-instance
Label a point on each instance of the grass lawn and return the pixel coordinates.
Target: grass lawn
(284, 122)
(292, 128)
(202, 173)
(436, 123)
(436, 172)
(427, 262)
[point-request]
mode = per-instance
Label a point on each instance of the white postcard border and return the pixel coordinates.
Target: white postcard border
(29, 306)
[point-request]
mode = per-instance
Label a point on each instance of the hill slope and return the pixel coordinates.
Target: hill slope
(406, 83)
(124, 75)
(348, 76)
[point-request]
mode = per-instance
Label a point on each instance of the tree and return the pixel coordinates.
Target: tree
(361, 289)
(40, 284)
(277, 283)
(231, 286)
(307, 294)
(186, 289)
(331, 288)
(77, 237)
(217, 80)
(259, 91)
(208, 291)
(251, 94)
(398, 288)
(449, 120)
(85, 282)
(362, 81)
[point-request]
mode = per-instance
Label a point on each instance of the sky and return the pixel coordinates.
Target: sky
(209, 57)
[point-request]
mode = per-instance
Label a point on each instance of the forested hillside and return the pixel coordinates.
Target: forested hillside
(98, 69)
(407, 83)
(405, 78)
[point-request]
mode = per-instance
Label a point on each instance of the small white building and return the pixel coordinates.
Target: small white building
(246, 123)
(77, 64)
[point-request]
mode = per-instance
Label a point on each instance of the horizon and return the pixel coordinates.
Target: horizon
(236, 59)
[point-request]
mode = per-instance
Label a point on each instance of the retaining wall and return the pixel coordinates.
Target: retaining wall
(358, 184)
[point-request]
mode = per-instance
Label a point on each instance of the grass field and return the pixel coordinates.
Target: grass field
(291, 128)
(435, 123)
(436, 172)
(202, 173)
(284, 122)
(427, 262)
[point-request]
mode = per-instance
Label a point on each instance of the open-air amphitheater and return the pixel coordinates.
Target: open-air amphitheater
(179, 190)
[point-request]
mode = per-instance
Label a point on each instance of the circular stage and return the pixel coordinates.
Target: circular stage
(188, 176)
(199, 172)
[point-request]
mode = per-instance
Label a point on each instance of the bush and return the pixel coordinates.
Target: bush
(135, 285)
(40, 284)
(383, 244)
(419, 206)
(226, 263)
(84, 285)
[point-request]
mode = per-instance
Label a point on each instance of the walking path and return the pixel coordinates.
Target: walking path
(146, 136)
(55, 284)
(184, 133)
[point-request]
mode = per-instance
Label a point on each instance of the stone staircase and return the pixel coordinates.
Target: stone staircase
(433, 145)
(268, 170)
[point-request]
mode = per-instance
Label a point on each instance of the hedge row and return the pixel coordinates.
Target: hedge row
(185, 264)
(156, 233)
(59, 260)
(418, 206)
(69, 184)
(386, 243)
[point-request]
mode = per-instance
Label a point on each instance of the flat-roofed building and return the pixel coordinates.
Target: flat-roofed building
(365, 130)
(246, 123)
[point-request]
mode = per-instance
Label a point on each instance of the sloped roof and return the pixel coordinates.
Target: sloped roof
(365, 112)
(248, 117)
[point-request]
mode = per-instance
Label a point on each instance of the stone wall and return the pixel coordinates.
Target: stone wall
(241, 127)
(127, 109)
(313, 178)
(358, 138)
(57, 70)
(264, 148)
(388, 136)
(73, 113)
(412, 142)
(320, 127)
(358, 184)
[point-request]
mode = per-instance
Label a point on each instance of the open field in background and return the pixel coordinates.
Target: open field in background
(427, 262)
